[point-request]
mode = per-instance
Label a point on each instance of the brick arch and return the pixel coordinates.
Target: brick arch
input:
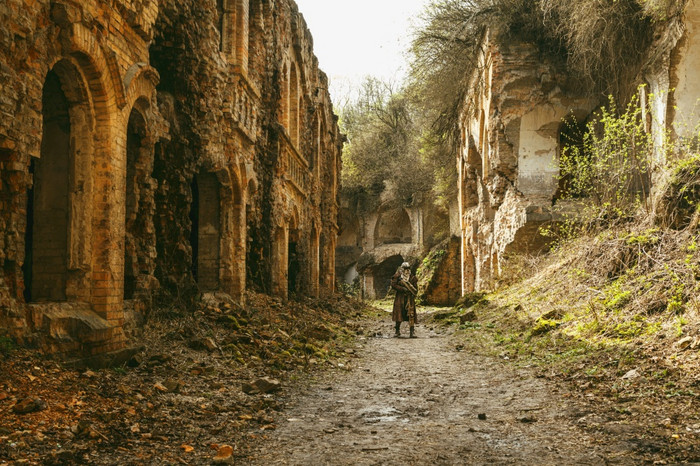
(248, 179)
(294, 218)
(140, 81)
(138, 147)
(393, 225)
(107, 256)
(86, 49)
(237, 185)
(284, 93)
(294, 104)
(57, 261)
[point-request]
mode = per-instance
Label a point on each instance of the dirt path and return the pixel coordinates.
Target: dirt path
(417, 401)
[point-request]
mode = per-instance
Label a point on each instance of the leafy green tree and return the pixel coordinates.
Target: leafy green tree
(383, 154)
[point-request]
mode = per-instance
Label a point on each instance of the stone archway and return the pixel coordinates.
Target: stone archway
(58, 217)
(393, 227)
(382, 274)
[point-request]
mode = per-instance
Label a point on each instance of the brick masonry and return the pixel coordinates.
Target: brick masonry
(114, 114)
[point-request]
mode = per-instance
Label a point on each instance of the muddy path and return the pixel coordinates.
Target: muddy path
(422, 401)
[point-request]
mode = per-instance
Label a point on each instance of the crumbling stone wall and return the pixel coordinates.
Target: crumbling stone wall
(508, 160)
(670, 77)
(514, 118)
(152, 149)
(71, 75)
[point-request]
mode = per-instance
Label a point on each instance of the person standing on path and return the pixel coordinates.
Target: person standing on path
(406, 286)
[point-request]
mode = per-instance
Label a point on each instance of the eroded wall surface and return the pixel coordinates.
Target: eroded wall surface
(158, 149)
(508, 161)
(671, 87)
(513, 126)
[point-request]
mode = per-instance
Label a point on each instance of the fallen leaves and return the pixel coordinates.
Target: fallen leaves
(224, 455)
(157, 406)
(187, 448)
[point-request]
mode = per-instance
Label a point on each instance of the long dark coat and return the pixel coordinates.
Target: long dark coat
(403, 299)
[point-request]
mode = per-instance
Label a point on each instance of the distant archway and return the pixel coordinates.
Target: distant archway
(382, 275)
(350, 234)
(393, 226)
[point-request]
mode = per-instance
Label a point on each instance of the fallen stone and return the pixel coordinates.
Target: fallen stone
(81, 428)
(264, 385)
(172, 385)
(160, 358)
(160, 387)
(685, 343)
(29, 405)
(135, 361)
(203, 344)
(444, 315)
(481, 416)
(320, 332)
(527, 419)
(552, 314)
(210, 344)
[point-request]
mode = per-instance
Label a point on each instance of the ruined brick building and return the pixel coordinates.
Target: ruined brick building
(519, 110)
(158, 148)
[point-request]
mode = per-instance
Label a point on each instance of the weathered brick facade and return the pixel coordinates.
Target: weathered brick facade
(520, 108)
(510, 129)
(158, 148)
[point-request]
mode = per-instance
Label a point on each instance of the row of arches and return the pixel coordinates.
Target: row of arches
(61, 197)
(296, 259)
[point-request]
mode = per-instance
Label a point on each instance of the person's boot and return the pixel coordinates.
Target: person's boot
(413, 333)
(397, 333)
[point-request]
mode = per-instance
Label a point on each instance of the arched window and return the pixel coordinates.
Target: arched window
(284, 97)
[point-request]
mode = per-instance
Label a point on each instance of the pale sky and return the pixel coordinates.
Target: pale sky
(356, 38)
